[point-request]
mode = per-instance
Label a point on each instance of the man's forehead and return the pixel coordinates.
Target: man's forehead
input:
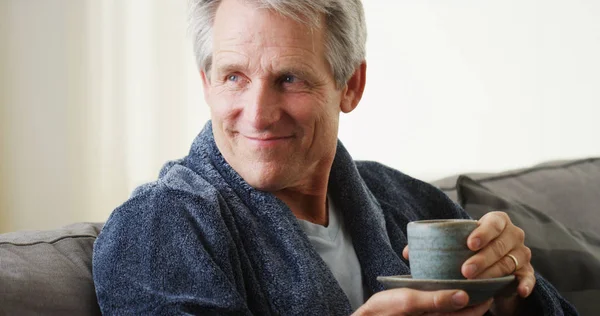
(250, 49)
(245, 35)
(226, 61)
(249, 37)
(264, 41)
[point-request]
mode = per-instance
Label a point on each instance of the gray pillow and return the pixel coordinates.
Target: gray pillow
(48, 272)
(568, 258)
(560, 189)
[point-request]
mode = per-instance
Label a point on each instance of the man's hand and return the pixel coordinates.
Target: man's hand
(413, 302)
(496, 238)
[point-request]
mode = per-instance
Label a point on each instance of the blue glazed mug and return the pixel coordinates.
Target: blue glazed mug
(438, 248)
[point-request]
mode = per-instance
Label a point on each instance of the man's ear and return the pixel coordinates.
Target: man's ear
(205, 85)
(354, 89)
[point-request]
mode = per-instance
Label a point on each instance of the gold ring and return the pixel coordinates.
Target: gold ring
(516, 262)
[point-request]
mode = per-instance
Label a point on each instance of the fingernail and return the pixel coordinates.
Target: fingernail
(476, 243)
(470, 270)
(459, 299)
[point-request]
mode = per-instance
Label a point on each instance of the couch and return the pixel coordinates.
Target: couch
(556, 203)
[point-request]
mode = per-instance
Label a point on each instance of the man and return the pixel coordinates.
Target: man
(268, 214)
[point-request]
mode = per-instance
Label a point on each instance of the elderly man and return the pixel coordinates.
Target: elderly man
(269, 214)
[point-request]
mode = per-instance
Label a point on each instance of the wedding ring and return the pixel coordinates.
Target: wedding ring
(516, 262)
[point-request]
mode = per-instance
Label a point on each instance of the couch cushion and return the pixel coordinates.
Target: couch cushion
(568, 191)
(568, 258)
(48, 272)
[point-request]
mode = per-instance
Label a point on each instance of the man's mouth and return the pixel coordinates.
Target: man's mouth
(268, 140)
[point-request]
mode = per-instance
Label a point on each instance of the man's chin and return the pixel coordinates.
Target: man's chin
(267, 185)
(266, 181)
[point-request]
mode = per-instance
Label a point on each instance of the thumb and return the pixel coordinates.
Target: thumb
(408, 302)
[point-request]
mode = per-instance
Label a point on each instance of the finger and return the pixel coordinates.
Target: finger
(408, 301)
(405, 252)
(489, 263)
(476, 310)
(527, 280)
(435, 301)
(507, 302)
(491, 225)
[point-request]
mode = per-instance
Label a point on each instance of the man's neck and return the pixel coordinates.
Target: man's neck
(309, 207)
(308, 198)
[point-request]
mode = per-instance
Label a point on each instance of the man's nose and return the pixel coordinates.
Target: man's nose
(262, 108)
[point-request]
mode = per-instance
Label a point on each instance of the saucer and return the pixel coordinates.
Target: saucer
(479, 290)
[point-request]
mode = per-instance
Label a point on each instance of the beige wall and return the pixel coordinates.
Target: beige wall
(42, 114)
(95, 97)
(3, 119)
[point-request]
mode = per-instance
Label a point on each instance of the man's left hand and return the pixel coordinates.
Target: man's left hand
(497, 239)
(502, 251)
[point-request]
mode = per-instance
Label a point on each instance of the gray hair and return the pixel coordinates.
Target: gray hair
(345, 31)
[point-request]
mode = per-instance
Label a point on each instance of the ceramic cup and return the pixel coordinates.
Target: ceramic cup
(438, 248)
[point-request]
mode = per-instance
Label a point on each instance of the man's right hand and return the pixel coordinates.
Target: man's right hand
(413, 302)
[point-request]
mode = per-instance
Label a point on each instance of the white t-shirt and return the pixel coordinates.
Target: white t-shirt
(334, 245)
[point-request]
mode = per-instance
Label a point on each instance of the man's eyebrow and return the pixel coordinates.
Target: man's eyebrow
(298, 69)
(295, 70)
(229, 67)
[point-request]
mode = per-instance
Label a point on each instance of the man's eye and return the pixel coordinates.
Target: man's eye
(233, 78)
(289, 79)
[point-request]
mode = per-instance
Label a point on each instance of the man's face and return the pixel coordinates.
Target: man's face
(274, 104)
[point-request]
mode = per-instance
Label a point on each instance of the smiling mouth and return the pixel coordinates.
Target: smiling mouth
(268, 138)
(268, 141)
